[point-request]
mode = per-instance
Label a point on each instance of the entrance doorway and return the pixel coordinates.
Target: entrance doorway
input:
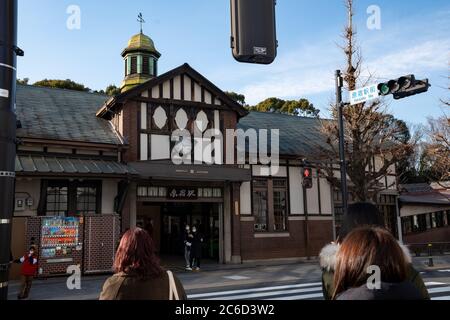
(169, 221)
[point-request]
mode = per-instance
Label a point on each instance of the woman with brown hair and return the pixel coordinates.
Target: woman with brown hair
(370, 265)
(358, 215)
(139, 275)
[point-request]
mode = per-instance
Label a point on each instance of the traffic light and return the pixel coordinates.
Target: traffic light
(403, 87)
(307, 178)
(253, 31)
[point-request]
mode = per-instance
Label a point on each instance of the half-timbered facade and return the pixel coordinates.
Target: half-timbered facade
(155, 156)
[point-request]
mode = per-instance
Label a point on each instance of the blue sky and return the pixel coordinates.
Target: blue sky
(414, 38)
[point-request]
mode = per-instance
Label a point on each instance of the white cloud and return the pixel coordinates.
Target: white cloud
(309, 70)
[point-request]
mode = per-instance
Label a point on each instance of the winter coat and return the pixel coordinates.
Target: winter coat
(122, 286)
(388, 291)
(29, 264)
(188, 237)
(328, 263)
(196, 249)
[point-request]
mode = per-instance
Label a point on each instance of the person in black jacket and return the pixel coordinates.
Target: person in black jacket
(196, 249)
(370, 265)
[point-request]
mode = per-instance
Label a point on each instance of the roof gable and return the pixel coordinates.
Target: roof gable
(182, 84)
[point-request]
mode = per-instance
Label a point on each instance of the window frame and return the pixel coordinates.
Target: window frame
(72, 202)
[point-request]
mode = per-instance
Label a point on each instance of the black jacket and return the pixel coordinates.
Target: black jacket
(389, 291)
(196, 249)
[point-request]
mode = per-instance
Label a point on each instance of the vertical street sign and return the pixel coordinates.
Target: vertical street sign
(364, 94)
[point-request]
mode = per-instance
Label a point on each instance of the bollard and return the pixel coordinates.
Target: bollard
(430, 254)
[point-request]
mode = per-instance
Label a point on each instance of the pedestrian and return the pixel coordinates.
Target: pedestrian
(29, 263)
(188, 237)
(371, 265)
(138, 273)
(358, 215)
(196, 249)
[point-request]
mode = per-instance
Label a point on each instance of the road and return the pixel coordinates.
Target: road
(276, 282)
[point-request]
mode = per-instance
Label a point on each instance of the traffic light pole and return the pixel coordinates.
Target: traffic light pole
(306, 228)
(8, 58)
(340, 106)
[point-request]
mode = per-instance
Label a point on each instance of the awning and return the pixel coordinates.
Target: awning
(431, 198)
(28, 164)
(170, 171)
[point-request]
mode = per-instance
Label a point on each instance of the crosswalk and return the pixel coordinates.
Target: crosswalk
(304, 291)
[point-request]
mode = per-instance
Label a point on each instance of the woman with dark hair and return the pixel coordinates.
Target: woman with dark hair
(138, 274)
(359, 215)
(372, 252)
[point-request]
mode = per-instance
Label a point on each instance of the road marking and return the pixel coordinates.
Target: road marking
(237, 278)
(448, 270)
(299, 297)
(439, 290)
(269, 294)
(312, 291)
(431, 284)
(252, 290)
(441, 298)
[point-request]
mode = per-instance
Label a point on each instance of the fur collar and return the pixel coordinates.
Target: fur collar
(327, 257)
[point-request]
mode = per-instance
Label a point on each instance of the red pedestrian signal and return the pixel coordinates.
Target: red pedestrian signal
(307, 178)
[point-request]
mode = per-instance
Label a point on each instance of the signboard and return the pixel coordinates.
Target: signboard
(364, 94)
(182, 193)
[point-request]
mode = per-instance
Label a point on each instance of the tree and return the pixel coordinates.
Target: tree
(239, 98)
(370, 133)
(62, 84)
(436, 154)
(300, 107)
(112, 90)
(23, 81)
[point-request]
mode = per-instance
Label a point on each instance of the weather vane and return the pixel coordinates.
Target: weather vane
(141, 20)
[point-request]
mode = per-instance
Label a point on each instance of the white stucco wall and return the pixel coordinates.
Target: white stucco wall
(246, 199)
(109, 192)
(24, 189)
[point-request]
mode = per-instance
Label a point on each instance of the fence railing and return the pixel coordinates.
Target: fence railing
(430, 249)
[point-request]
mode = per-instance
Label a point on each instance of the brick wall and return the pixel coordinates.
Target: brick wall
(320, 233)
(101, 237)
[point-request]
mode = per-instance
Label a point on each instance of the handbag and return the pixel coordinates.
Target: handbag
(173, 292)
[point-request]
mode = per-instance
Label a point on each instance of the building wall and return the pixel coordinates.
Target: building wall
(290, 244)
(26, 188)
(430, 236)
(109, 192)
(410, 210)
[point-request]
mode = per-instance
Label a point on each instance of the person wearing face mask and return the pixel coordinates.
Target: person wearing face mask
(187, 247)
(196, 249)
(29, 268)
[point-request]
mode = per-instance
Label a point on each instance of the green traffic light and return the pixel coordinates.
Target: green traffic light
(385, 89)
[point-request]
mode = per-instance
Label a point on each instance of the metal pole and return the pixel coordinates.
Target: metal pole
(306, 229)
(340, 106)
(399, 220)
(8, 58)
